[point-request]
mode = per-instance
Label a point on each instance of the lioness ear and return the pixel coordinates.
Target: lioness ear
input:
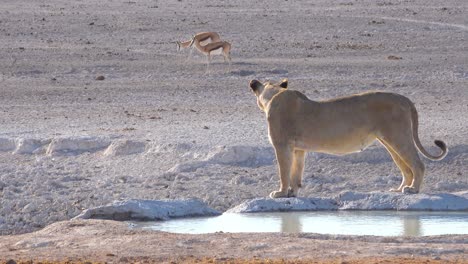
(255, 85)
(284, 83)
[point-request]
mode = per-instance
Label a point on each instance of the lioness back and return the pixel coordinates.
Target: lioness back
(292, 116)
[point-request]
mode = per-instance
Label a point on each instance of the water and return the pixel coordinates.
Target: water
(378, 223)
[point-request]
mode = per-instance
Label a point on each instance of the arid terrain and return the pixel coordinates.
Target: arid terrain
(109, 241)
(98, 105)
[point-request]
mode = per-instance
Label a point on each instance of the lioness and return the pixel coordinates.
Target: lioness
(340, 126)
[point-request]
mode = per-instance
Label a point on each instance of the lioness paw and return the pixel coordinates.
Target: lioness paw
(409, 190)
(278, 194)
(292, 193)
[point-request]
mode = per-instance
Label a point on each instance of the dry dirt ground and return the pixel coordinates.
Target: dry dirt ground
(52, 51)
(109, 241)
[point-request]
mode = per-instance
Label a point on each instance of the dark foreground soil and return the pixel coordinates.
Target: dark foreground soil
(374, 260)
(100, 241)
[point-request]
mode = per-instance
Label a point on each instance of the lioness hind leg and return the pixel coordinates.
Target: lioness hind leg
(406, 150)
(297, 171)
(417, 168)
(284, 156)
(407, 174)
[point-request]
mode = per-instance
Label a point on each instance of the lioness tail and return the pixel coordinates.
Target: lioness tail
(439, 143)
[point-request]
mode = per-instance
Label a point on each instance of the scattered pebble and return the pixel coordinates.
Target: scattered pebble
(392, 57)
(100, 78)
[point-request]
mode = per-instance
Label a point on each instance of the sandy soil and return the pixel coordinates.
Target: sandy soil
(179, 131)
(110, 241)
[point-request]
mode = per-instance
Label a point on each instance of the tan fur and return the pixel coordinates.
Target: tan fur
(198, 40)
(340, 126)
(215, 48)
(209, 44)
(201, 38)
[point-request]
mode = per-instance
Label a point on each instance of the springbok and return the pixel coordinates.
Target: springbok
(202, 38)
(214, 48)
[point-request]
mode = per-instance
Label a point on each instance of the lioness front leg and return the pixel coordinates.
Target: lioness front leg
(297, 171)
(284, 156)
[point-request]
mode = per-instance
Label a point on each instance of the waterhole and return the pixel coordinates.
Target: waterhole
(377, 223)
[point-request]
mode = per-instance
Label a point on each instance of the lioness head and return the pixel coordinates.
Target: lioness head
(266, 90)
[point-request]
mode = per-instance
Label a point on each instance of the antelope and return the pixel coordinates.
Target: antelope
(214, 48)
(202, 38)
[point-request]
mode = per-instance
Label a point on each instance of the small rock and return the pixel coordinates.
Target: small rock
(205, 127)
(392, 57)
(100, 78)
(10, 261)
(30, 207)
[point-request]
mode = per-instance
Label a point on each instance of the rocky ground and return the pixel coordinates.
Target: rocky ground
(156, 126)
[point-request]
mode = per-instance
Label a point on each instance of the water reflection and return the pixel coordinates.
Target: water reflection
(412, 225)
(383, 223)
(379, 223)
(291, 223)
